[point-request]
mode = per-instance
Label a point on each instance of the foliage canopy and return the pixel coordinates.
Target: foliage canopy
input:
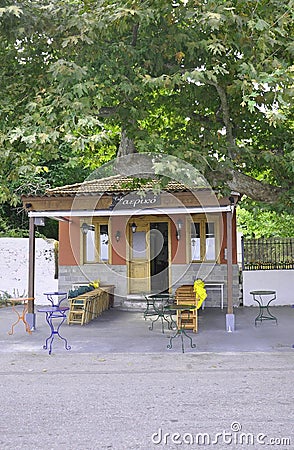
(207, 81)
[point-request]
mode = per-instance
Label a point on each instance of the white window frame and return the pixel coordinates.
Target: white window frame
(97, 248)
(202, 221)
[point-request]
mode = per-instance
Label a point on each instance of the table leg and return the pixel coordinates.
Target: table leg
(19, 318)
(150, 310)
(146, 312)
(54, 331)
(261, 316)
(180, 332)
(270, 315)
(264, 312)
(161, 315)
(152, 322)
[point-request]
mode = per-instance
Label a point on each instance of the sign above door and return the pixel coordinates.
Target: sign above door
(135, 200)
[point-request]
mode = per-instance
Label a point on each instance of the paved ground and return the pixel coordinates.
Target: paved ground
(118, 331)
(119, 387)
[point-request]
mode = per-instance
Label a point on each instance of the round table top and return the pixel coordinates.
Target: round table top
(179, 307)
(160, 296)
(55, 293)
(53, 308)
(20, 299)
(262, 292)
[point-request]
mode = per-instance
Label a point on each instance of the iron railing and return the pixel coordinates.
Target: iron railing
(268, 254)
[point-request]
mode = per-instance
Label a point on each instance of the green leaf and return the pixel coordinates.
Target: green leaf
(12, 9)
(261, 25)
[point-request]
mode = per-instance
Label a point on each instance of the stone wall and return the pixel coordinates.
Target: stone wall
(186, 274)
(69, 276)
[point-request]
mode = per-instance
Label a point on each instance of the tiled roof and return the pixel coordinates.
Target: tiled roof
(115, 184)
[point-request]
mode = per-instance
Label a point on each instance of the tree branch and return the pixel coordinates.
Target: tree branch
(226, 119)
(246, 185)
(135, 34)
(106, 111)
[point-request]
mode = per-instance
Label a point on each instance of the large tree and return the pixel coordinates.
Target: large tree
(207, 81)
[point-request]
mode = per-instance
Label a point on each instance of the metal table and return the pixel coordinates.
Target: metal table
(22, 316)
(180, 329)
(59, 313)
(215, 286)
(56, 302)
(157, 310)
(264, 305)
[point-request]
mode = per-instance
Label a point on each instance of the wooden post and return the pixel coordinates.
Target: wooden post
(229, 262)
(31, 280)
(230, 321)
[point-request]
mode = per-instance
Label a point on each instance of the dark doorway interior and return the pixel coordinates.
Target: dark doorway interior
(159, 257)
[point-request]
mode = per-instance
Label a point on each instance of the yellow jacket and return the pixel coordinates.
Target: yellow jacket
(200, 292)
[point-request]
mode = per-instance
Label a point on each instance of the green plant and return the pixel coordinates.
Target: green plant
(79, 291)
(257, 223)
(4, 298)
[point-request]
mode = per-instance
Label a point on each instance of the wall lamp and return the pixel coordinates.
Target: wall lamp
(86, 227)
(179, 229)
(39, 221)
(134, 227)
(117, 235)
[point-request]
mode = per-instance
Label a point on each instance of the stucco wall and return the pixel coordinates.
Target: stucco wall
(281, 281)
(14, 257)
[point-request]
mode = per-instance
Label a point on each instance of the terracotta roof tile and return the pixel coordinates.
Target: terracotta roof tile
(114, 184)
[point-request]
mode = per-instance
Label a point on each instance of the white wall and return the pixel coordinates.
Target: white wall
(281, 281)
(14, 257)
(239, 248)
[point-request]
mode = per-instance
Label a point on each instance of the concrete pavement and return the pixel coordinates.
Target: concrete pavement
(117, 331)
(121, 388)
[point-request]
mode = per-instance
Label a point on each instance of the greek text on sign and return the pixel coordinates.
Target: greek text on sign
(138, 201)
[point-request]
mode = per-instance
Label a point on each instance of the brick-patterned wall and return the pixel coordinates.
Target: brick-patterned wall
(107, 274)
(180, 274)
(183, 274)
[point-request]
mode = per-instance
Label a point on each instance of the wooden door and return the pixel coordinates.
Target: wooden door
(139, 258)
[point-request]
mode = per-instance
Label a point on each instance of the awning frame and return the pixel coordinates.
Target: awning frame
(62, 215)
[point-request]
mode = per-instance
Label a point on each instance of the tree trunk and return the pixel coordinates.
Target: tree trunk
(126, 146)
(129, 162)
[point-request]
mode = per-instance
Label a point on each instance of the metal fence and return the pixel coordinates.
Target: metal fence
(268, 254)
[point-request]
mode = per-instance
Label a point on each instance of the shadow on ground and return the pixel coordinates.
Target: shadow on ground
(117, 331)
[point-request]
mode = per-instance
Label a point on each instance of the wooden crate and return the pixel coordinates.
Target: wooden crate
(185, 295)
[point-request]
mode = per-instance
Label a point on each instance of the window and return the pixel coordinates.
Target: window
(90, 245)
(195, 241)
(104, 243)
(139, 245)
(96, 244)
(203, 240)
(209, 241)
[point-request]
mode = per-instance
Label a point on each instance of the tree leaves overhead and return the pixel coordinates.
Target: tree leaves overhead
(210, 82)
